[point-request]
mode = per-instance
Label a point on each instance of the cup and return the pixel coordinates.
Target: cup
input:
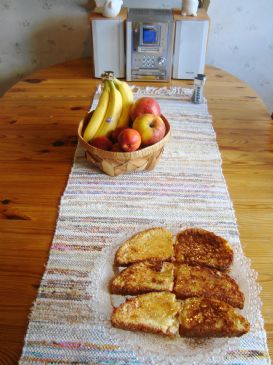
(189, 7)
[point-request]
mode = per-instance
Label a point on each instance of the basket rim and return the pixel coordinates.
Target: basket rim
(111, 155)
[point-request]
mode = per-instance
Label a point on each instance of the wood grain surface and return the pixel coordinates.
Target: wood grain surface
(39, 120)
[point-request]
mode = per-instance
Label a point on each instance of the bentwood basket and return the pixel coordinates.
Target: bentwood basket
(117, 163)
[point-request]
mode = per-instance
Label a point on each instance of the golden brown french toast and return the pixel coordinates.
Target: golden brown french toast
(151, 312)
(200, 247)
(151, 244)
(143, 277)
(201, 281)
(203, 317)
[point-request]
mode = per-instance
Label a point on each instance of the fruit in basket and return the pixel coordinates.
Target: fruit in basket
(150, 127)
(115, 133)
(116, 148)
(113, 111)
(129, 140)
(103, 143)
(98, 115)
(127, 102)
(145, 105)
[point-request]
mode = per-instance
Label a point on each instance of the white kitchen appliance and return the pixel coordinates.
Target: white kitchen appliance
(150, 44)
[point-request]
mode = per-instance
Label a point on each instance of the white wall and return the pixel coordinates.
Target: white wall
(241, 42)
(38, 33)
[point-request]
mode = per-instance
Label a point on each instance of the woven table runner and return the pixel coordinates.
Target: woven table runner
(186, 189)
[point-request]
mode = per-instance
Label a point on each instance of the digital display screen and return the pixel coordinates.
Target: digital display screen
(149, 36)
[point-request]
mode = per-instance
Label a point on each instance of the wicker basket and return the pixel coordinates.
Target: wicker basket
(117, 163)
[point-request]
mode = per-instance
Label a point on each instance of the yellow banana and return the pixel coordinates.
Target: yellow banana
(127, 102)
(113, 112)
(98, 115)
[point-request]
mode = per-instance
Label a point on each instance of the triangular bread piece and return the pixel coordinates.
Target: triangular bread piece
(200, 247)
(200, 281)
(143, 277)
(151, 244)
(203, 317)
(151, 312)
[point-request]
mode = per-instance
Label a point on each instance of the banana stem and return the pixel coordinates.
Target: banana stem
(108, 75)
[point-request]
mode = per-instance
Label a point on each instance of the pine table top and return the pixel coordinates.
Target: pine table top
(38, 126)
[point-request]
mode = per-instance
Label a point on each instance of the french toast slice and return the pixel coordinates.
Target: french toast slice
(203, 317)
(155, 312)
(200, 281)
(143, 277)
(151, 244)
(200, 247)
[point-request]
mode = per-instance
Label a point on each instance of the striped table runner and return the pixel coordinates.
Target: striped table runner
(186, 189)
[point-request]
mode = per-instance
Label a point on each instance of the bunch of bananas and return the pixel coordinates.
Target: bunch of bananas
(113, 108)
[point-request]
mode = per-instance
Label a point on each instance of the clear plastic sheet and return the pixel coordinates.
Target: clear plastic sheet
(158, 348)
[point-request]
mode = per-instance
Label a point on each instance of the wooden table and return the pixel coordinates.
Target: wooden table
(39, 117)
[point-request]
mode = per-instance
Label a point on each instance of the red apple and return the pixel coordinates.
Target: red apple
(115, 133)
(145, 105)
(103, 143)
(129, 140)
(151, 128)
(116, 148)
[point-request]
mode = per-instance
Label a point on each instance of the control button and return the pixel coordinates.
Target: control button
(161, 61)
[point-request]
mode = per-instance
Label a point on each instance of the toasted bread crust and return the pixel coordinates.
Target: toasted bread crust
(144, 277)
(195, 275)
(141, 327)
(151, 312)
(151, 244)
(200, 247)
(197, 281)
(203, 317)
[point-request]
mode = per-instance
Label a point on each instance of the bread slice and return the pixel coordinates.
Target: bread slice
(143, 277)
(200, 281)
(200, 247)
(152, 244)
(203, 317)
(151, 312)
